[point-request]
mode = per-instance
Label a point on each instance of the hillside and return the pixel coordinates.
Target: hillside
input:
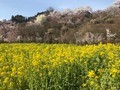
(80, 26)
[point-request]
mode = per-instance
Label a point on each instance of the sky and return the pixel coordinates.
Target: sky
(31, 7)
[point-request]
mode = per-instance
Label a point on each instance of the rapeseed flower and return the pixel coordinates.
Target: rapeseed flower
(43, 64)
(35, 63)
(91, 74)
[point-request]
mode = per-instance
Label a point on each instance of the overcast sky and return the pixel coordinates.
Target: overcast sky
(31, 7)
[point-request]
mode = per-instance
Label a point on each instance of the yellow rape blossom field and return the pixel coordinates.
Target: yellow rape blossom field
(59, 67)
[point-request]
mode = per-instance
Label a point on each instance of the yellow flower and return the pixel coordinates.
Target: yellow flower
(113, 76)
(114, 71)
(72, 59)
(11, 85)
(55, 64)
(110, 56)
(2, 73)
(14, 69)
(45, 66)
(35, 63)
(12, 74)
(96, 77)
(91, 74)
(84, 85)
(6, 80)
(91, 83)
(101, 53)
(20, 73)
(21, 68)
(0, 59)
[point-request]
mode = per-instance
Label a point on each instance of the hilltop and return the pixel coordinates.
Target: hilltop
(80, 26)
